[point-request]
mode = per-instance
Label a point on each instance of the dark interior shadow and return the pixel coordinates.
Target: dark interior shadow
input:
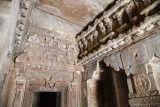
(47, 99)
(112, 88)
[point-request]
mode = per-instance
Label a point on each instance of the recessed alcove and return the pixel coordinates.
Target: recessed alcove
(46, 99)
(112, 88)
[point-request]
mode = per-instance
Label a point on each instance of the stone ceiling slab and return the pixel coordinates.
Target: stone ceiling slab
(105, 3)
(68, 16)
(77, 11)
(48, 21)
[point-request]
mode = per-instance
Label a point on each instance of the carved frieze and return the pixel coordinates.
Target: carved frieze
(44, 68)
(122, 18)
(146, 94)
(24, 12)
(145, 102)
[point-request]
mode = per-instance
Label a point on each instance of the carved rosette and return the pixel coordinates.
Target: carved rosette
(142, 83)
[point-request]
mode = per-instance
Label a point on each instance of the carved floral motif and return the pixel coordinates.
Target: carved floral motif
(142, 83)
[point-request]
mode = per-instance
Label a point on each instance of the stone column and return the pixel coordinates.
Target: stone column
(92, 93)
(20, 87)
(92, 87)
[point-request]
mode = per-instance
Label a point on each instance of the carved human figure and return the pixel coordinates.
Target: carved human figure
(118, 16)
(95, 36)
(102, 28)
(80, 46)
(85, 44)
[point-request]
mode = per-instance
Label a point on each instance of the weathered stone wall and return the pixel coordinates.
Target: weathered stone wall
(141, 64)
(8, 19)
(47, 62)
(46, 52)
(125, 38)
(86, 75)
(140, 61)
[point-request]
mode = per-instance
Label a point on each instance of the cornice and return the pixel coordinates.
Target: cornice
(22, 24)
(122, 25)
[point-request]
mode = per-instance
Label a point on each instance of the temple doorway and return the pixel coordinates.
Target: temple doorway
(47, 99)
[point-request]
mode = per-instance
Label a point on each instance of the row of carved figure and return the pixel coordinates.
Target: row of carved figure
(126, 18)
(21, 23)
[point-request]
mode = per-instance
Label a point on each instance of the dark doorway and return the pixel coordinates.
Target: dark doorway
(112, 88)
(47, 99)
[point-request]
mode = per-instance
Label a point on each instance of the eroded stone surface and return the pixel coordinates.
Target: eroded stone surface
(119, 52)
(79, 12)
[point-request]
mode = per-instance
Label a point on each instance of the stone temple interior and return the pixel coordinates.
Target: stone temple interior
(79, 53)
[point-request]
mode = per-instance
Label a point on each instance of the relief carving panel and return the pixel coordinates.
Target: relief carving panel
(142, 83)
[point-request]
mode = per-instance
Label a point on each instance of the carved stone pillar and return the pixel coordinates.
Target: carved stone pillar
(92, 88)
(92, 93)
(155, 64)
(20, 87)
